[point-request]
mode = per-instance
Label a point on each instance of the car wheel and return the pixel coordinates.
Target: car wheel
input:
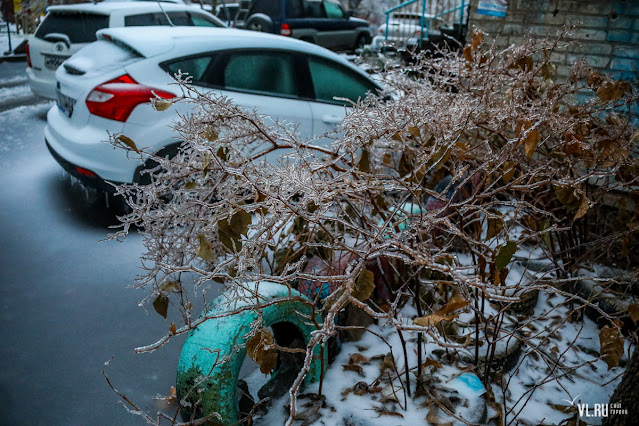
(362, 40)
(212, 386)
(259, 22)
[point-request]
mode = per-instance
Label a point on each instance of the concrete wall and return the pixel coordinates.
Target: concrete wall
(608, 37)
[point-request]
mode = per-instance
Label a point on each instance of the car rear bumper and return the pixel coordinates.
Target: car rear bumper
(76, 171)
(87, 147)
(40, 84)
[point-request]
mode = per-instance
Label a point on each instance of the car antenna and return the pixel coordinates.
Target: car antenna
(165, 14)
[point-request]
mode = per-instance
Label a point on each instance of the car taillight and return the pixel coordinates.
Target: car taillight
(286, 30)
(26, 49)
(85, 172)
(116, 99)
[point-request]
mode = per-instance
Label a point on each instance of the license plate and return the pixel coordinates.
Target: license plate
(52, 62)
(66, 104)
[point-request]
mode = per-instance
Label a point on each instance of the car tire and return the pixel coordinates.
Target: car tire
(362, 40)
(213, 387)
(259, 22)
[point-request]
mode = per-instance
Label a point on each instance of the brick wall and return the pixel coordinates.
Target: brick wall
(608, 37)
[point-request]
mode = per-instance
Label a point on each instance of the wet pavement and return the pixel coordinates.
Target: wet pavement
(65, 305)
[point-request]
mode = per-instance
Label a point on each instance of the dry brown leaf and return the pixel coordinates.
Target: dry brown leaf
(357, 358)
(259, 350)
(414, 131)
(161, 104)
(495, 225)
(528, 136)
(595, 79)
(562, 408)
(388, 363)
(364, 286)
(457, 302)
(531, 141)
(612, 90)
(509, 171)
(433, 418)
(353, 367)
(584, 206)
(209, 134)
(611, 346)
(205, 249)
(390, 413)
(172, 398)
(128, 142)
(633, 312)
(526, 63)
(573, 144)
(477, 39)
(431, 363)
(468, 53)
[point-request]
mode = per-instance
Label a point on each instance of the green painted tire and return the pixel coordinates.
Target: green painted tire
(225, 338)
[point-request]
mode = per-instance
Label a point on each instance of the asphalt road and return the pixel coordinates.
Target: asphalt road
(65, 305)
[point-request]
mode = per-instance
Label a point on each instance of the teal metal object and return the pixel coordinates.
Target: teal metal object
(405, 209)
(425, 26)
(213, 353)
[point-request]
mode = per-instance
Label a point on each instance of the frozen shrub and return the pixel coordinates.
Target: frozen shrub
(425, 196)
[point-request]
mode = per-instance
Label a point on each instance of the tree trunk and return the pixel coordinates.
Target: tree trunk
(626, 396)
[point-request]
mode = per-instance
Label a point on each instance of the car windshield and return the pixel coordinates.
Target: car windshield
(80, 27)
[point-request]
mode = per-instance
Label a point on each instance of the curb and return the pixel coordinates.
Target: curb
(14, 58)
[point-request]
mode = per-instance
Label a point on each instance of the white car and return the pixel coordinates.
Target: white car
(405, 29)
(66, 29)
(107, 87)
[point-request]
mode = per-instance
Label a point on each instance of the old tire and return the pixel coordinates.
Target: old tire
(200, 375)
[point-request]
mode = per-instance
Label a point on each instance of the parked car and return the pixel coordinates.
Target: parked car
(323, 22)
(66, 29)
(405, 29)
(107, 87)
(233, 14)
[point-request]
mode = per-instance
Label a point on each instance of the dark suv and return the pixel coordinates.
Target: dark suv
(323, 22)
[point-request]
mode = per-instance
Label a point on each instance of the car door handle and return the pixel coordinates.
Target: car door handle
(332, 119)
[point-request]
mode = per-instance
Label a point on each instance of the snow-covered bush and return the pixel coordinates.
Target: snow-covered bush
(441, 194)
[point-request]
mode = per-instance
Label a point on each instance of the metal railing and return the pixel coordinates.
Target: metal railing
(445, 13)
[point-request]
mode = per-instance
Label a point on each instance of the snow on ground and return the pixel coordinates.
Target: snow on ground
(16, 39)
(561, 369)
(18, 120)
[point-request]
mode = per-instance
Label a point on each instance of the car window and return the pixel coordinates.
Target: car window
(79, 27)
(200, 20)
(194, 66)
(270, 8)
(294, 9)
(333, 10)
(314, 9)
(227, 12)
(333, 80)
(181, 19)
(145, 19)
(268, 73)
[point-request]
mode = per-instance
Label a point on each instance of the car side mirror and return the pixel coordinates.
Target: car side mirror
(348, 14)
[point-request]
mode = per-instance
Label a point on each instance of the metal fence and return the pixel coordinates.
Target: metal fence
(415, 22)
